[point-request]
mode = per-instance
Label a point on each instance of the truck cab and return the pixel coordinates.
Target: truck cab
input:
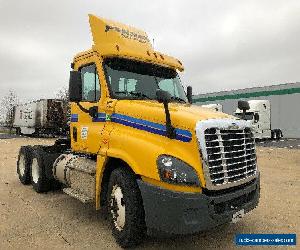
(139, 149)
(259, 114)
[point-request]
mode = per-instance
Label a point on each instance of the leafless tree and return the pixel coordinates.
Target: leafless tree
(7, 105)
(63, 94)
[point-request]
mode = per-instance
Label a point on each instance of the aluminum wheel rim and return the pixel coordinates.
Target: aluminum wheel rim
(117, 207)
(35, 170)
(22, 165)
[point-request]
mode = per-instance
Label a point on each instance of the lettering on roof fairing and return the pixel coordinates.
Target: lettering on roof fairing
(128, 34)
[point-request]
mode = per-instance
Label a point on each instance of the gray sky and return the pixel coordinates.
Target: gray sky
(223, 44)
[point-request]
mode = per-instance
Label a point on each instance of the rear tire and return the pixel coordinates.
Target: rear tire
(279, 135)
(18, 131)
(38, 178)
(125, 208)
(272, 135)
(24, 163)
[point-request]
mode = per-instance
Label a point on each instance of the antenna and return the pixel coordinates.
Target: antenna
(153, 43)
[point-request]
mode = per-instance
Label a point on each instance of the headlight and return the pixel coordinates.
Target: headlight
(175, 171)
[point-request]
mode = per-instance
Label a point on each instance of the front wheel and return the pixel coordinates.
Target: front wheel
(125, 207)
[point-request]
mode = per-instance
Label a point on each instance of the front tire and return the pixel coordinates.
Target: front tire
(125, 208)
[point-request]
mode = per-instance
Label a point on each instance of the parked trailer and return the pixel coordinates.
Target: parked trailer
(45, 116)
(284, 99)
(259, 113)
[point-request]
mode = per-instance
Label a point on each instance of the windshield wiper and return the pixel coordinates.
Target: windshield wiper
(178, 99)
(139, 94)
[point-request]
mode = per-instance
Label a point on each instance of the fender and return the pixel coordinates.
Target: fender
(100, 166)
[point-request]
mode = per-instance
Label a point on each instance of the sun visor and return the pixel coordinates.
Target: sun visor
(108, 33)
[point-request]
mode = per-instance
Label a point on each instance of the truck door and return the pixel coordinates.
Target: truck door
(86, 131)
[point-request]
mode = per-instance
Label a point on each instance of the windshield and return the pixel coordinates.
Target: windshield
(130, 79)
(248, 116)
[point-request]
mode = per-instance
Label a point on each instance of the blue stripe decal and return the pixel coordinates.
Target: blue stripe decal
(152, 127)
(155, 128)
(181, 137)
(74, 117)
(100, 117)
(141, 122)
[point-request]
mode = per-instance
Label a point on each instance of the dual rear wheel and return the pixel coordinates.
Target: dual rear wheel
(23, 165)
(276, 134)
(124, 201)
(31, 169)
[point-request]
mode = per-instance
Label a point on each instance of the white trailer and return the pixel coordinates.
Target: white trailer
(42, 116)
(259, 113)
(214, 106)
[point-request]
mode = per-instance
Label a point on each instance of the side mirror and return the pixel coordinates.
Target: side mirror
(75, 86)
(93, 111)
(163, 96)
(189, 94)
(243, 105)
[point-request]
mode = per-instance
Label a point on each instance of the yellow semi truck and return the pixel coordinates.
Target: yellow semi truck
(139, 149)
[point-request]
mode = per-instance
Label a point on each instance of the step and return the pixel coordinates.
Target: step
(83, 165)
(78, 195)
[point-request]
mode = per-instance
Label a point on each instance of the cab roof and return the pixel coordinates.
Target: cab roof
(120, 40)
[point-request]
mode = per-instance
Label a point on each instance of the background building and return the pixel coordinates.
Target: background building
(284, 99)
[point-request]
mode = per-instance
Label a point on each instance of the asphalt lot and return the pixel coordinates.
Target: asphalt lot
(8, 136)
(54, 220)
(11, 136)
(282, 143)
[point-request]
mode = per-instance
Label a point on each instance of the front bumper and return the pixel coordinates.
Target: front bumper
(168, 212)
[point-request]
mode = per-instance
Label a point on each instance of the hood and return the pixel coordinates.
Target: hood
(183, 116)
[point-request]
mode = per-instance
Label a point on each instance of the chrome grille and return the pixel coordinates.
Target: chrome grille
(230, 154)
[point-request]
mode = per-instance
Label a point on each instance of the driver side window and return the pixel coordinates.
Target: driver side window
(90, 83)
